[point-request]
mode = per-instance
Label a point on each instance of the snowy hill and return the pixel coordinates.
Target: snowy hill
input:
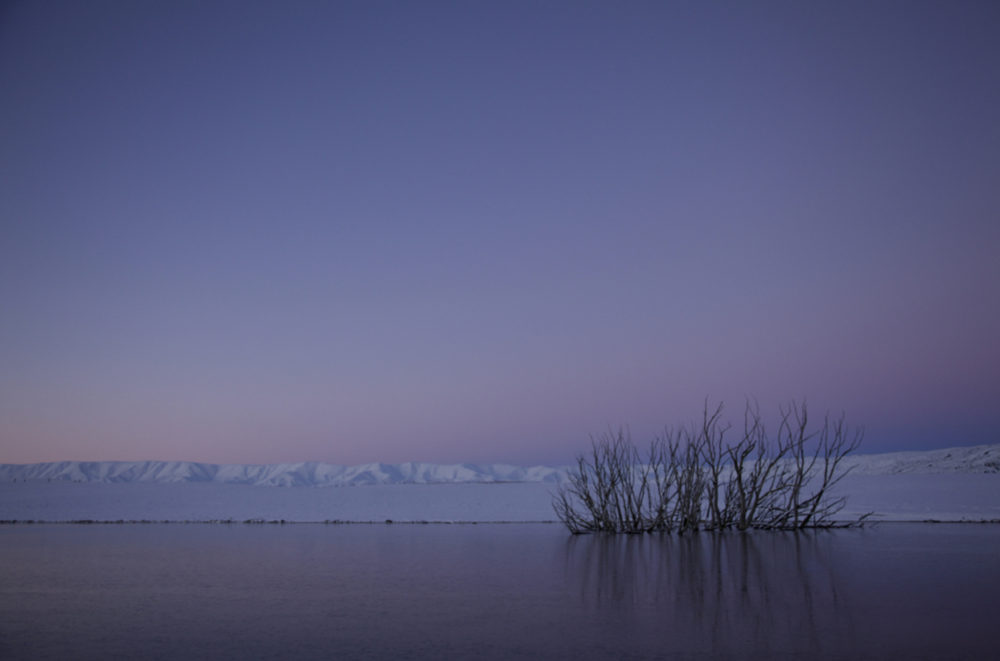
(957, 484)
(977, 459)
(283, 475)
(971, 459)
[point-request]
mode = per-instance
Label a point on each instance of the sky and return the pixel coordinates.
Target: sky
(347, 232)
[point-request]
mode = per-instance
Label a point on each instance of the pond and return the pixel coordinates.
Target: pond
(211, 591)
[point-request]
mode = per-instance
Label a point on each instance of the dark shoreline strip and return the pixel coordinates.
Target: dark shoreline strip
(341, 522)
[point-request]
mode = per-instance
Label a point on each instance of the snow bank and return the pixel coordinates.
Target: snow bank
(898, 497)
(138, 501)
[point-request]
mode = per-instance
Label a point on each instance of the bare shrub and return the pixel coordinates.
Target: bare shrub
(692, 478)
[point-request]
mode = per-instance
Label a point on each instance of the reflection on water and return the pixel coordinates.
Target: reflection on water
(495, 592)
(733, 591)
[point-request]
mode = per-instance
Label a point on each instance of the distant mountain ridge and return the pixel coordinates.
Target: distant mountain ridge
(301, 474)
(966, 459)
(974, 459)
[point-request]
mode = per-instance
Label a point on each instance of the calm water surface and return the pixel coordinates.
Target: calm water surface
(495, 591)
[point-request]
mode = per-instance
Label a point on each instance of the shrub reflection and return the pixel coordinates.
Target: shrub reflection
(721, 591)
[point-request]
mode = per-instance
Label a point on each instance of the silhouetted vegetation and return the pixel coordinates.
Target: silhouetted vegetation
(694, 478)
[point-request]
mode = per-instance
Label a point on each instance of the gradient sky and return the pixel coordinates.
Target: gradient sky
(481, 231)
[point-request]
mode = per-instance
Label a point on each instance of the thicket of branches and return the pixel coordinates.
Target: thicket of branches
(694, 478)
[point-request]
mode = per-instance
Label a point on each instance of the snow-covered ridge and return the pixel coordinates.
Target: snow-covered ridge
(276, 475)
(969, 459)
(976, 459)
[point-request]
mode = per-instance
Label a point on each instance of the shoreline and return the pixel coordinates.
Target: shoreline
(280, 522)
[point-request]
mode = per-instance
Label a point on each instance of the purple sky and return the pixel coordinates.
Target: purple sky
(471, 231)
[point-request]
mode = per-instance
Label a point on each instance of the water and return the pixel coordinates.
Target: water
(495, 591)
